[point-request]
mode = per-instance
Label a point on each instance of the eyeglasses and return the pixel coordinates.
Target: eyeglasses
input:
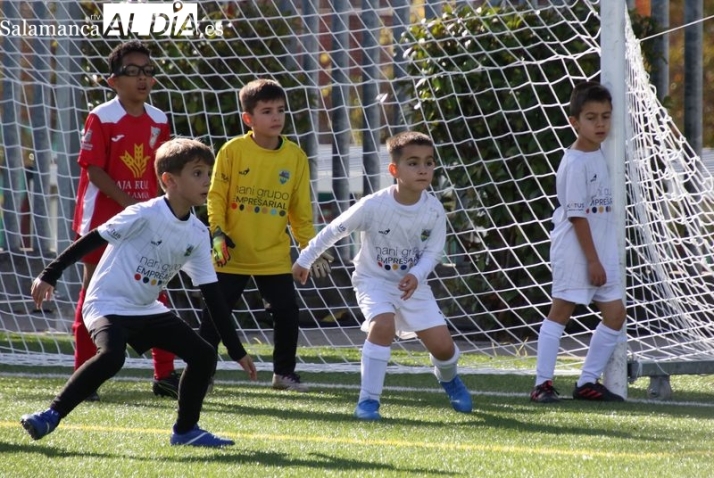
(136, 70)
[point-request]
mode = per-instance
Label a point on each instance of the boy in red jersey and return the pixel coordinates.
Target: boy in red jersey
(116, 155)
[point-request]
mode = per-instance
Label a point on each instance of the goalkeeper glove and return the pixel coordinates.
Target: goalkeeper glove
(321, 267)
(221, 244)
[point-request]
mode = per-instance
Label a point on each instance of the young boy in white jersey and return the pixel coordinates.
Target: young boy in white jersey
(403, 231)
(260, 187)
(583, 251)
(149, 243)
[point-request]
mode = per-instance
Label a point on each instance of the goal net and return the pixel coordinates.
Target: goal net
(489, 84)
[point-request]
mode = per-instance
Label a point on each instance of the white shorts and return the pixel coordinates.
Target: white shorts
(606, 293)
(419, 312)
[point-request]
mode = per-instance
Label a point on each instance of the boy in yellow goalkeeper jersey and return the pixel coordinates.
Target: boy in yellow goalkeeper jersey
(260, 186)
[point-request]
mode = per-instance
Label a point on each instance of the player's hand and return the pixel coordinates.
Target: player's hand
(321, 267)
(247, 364)
(221, 245)
(41, 291)
(408, 285)
(300, 274)
(596, 273)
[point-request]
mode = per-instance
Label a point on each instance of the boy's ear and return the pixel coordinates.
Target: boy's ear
(247, 119)
(392, 168)
(168, 180)
(111, 81)
(573, 121)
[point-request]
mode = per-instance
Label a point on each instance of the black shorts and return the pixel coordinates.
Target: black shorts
(143, 332)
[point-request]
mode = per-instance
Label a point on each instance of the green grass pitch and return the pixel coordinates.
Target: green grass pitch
(284, 434)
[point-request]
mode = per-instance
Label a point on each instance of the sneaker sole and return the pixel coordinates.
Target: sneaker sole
(161, 391)
(30, 429)
(196, 442)
(290, 388)
(205, 445)
(598, 399)
(462, 409)
(545, 402)
(368, 418)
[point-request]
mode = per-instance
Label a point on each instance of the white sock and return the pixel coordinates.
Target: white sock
(548, 345)
(601, 347)
(374, 369)
(445, 370)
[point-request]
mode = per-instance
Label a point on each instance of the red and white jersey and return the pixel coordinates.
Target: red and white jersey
(124, 147)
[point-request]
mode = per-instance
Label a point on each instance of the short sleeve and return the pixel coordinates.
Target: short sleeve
(575, 200)
(92, 150)
(123, 225)
(199, 267)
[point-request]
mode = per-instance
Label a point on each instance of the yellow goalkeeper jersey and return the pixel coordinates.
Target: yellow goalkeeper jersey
(255, 195)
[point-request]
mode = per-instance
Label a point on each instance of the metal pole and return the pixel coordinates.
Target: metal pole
(69, 105)
(42, 150)
(341, 128)
(370, 92)
(13, 169)
(613, 76)
(693, 78)
(400, 20)
(311, 68)
(660, 73)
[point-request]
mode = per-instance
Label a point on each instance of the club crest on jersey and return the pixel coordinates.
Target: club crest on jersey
(86, 142)
(425, 233)
(137, 162)
(154, 136)
(188, 252)
(284, 176)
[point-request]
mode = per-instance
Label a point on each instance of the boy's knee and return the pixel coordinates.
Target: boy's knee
(285, 312)
(614, 316)
(111, 361)
(615, 322)
(444, 352)
(381, 333)
(205, 357)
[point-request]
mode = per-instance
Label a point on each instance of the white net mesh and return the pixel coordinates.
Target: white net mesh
(490, 85)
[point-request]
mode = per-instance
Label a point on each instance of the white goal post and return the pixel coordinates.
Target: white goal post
(489, 83)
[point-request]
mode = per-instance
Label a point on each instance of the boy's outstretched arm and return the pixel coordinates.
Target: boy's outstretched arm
(45, 283)
(221, 318)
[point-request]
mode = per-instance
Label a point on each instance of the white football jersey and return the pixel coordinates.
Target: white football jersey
(395, 239)
(584, 190)
(148, 245)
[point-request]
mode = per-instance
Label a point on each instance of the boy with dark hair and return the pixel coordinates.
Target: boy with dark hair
(148, 243)
(403, 232)
(583, 251)
(116, 158)
(261, 185)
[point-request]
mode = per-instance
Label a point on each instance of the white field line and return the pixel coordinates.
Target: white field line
(334, 386)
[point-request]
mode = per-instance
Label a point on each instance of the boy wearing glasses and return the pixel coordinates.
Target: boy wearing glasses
(116, 158)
